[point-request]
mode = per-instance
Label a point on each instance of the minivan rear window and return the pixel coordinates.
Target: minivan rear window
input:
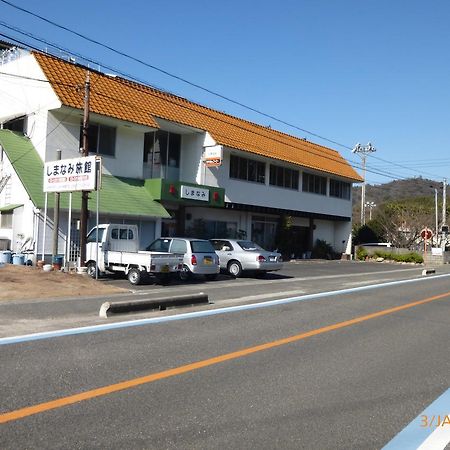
(160, 245)
(202, 247)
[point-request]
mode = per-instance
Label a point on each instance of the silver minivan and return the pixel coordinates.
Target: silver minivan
(199, 255)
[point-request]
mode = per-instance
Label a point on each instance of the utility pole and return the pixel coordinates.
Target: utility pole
(436, 215)
(444, 203)
(444, 227)
(363, 151)
(56, 218)
(85, 152)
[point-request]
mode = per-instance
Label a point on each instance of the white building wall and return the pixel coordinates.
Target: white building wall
(191, 169)
(15, 193)
(238, 191)
(127, 161)
(324, 231)
(342, 236)
(30, 97)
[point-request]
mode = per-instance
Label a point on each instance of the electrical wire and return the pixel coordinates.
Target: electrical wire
(335, 160)
(184, 80)
(140, 61)
(145, 89)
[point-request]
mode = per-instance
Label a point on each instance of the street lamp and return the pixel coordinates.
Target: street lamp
(370, 205)
(363, 151)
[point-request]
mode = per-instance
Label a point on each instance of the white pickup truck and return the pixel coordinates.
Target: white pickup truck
(118, 251)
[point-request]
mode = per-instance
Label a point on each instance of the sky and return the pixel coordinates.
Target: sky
(338, 72)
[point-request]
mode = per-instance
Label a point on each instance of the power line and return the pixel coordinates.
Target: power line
(184, 80)
(177, 77)
(146, 87)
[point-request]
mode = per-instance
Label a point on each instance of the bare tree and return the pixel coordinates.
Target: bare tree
(402, 221)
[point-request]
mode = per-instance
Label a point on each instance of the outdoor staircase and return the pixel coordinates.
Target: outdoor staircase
(3, 182)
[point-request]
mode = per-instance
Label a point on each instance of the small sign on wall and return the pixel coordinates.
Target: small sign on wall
(194, 193)
(212, 156)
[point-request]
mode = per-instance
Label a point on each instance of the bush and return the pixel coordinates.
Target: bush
(361, 253)
(406, 257)
(322, 250)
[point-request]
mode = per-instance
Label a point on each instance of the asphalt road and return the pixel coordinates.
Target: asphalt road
(296, 278)
(322, 372)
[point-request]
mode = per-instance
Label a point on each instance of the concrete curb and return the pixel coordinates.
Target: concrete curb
(428, 271)
(161, 303)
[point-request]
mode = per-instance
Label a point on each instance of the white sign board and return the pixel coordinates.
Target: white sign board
(194, 193)
(69, 175)
(212, 156)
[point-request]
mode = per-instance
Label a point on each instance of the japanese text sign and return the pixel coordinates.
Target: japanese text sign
(69, 175)
(195, 193)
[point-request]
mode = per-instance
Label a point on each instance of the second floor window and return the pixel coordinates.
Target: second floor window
(101, 139)
(162, 151)
(314, 184)
(283, 177)
(340, 189)
(247, 169)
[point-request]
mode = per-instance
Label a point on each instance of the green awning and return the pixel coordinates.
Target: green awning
(118, 196)
(9, 208)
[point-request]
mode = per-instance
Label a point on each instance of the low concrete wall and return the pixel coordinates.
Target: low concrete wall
(436, 260)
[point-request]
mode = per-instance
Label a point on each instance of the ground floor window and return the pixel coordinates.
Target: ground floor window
(209, 229)
(264, 231)
(6, 220)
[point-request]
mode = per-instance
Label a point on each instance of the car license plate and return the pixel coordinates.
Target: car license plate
(207, 260)
(165, 268)
(272, 258)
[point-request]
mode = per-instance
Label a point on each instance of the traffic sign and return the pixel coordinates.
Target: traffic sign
(426, 233)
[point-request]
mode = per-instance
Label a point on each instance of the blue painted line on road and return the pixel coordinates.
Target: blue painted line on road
(197, 314)
(414, 434)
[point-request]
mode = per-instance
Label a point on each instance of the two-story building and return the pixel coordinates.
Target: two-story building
(170, 165)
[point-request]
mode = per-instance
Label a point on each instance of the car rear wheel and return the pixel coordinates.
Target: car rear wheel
(234, 268)
(185, 274)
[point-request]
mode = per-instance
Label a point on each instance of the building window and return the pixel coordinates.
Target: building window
(247, 169)
(314, 184)
(340, 189)
(18, 124)
(283, 177)
(162, 152)
(6, 220)
(101, 139)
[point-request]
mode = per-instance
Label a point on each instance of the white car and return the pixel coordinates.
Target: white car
(238, 255)
(199, 255)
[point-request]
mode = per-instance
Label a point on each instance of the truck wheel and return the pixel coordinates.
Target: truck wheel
(91, 269)
(234, 269)
(134, 276)
(185, 274)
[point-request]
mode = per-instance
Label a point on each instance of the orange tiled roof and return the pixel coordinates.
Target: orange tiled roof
(137, 103)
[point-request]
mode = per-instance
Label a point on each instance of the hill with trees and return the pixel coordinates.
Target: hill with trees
(403, 208)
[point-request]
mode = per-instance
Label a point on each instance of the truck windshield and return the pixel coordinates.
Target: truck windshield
(92, 236)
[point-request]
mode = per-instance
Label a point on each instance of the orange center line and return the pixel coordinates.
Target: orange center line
(106, 390)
